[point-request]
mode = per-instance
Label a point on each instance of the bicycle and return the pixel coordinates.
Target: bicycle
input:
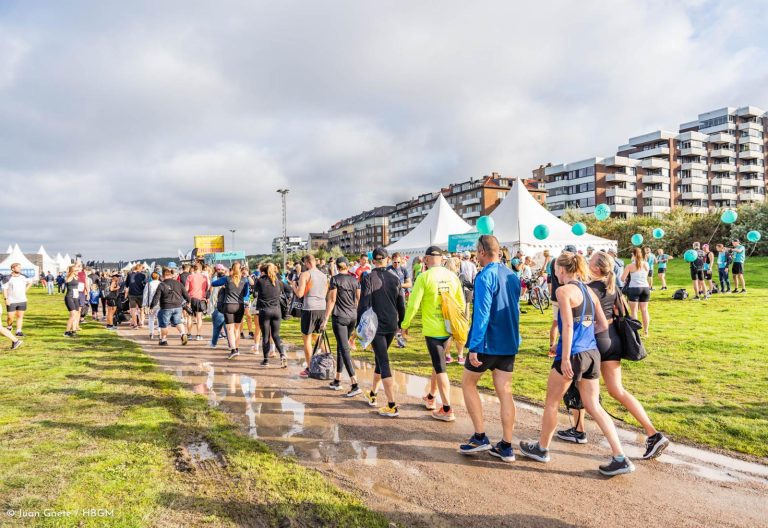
(538, 295)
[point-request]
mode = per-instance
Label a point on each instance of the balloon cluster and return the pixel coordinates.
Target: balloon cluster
(485, 225)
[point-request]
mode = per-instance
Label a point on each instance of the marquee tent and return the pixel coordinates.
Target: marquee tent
(27, 267)
(61, 263)
(441, 221)
(519, 213)
(49, 264)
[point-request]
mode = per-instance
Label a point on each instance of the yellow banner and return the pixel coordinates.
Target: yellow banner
(209, 244)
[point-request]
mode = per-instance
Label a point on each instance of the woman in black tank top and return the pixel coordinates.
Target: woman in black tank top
(601, 267)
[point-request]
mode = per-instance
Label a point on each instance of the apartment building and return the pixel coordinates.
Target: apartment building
(717, 160)
(363, 232)
(318, 241)
(294, 244)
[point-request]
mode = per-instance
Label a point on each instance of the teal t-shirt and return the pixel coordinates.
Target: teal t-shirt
(739, 256)
(651, 262)
(663, 261)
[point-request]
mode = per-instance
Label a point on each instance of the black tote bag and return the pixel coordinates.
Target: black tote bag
(628, 329)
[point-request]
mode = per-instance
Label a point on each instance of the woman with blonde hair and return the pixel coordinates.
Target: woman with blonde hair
(113, 291)
(638, 289)
(233, 305)
(72, 300)
(269, 290)
(610, 347)
(577, 360)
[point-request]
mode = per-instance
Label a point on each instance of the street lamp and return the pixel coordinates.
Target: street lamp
(283, 192)
(233, 238)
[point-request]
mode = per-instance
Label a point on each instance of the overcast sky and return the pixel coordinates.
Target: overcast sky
(128, 127)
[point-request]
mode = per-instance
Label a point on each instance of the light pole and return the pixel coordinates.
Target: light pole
(283, 192)
(233, 238)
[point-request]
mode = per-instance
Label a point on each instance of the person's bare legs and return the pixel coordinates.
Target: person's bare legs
(501, 381)
(74, 316)
(433, 384)
(375, 383)
(611, 371)
(7, 333)
(19, 321)
(633, 309)
(472, 399)
(231, 336)
(556, 387)
(444, 386)
(646, 316)
(590, 394)
(389, 388)
(308, 349)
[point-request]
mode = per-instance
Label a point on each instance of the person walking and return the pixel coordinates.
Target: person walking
(662, 259)
(724, 259)
(343, 299)
(312, 286)
(380, 291)
(197, 288)
(146, 302)
(610, 347)
(60, 282)
(697, 272)
(235, 289)
(638, 290)
(134, 290)
(553, 287)
(467, 274)
(709, 264)
(15, 293)
(93, 299)
(49, 282)
(170, 296)
(739, 257)
(113, 291)
(650, 258)
(72, 300)
(426, 299)
(216, 302)
(399, 268)
(268, 290)
(578, 360)
(16, 342)
(494, 340)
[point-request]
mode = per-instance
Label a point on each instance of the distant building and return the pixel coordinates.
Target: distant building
(363, 232)
(294, 244)
(318, 241)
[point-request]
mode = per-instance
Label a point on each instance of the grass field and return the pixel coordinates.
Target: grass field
(705, 380)
(91, 424)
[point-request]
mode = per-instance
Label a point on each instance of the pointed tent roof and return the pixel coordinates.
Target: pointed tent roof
(519, 213)
(10, 249)
(16, 255)
(441, 221)
(49, 264)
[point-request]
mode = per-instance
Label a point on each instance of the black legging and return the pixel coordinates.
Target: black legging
(380, 346)
(103, 300)
(342, 329)
(269, 323)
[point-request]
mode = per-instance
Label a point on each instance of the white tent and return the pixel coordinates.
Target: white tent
(519, 213)
(10, 249)
(49, 264)
(61, 263)
(441, 221)
(17, 256)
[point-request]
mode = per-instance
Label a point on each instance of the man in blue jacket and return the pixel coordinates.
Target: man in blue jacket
(494, 340)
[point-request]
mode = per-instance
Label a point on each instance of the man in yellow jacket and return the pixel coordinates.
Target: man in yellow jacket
(426, 295)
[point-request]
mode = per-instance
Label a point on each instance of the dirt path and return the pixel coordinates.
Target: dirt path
(408, 468)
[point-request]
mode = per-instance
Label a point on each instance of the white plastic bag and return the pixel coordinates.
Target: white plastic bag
(366, 328)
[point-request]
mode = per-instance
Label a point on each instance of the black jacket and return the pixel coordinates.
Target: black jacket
(170, 294)
(381, 290)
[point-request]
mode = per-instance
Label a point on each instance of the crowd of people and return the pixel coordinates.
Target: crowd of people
(587, 292)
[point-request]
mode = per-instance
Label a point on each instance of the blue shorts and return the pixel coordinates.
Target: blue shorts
(169, 315)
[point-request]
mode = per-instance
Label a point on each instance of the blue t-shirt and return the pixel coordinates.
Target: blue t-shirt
(663, 259)
(495, 326)
(651, 262)
(739, 256)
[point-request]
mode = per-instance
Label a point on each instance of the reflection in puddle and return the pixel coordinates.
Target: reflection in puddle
(200, 451)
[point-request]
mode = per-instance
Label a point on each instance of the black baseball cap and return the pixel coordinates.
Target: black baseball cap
(433, 251)
(380, 253)
(570, 248)
(342, 260)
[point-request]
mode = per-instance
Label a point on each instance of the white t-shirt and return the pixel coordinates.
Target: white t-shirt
(15, 290)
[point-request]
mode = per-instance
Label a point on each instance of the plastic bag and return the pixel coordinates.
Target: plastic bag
(456, 323)
(366, 328)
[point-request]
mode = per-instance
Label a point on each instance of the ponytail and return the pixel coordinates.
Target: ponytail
(603, 262)
(573, 264)
(272, 273)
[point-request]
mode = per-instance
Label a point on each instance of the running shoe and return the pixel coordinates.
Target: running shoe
(184, 339)
(304, 373)
(614, 467)
(443, 415)
(371, 399)
(474, 445)
(389, 412)
(461, 360)
(67, 334)
(21, 334)
(507, 454)
(354, 391)
(17, 344)
(283, 362)
(198, 337)
(233, 354)
(250, 334)
(429, 403)
(655, 445)
(163, 342)
(534, 451)
(334, 385)
(264, 363)
(448, 358)
(572, 435)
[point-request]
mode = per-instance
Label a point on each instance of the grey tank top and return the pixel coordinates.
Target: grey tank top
(315, 297)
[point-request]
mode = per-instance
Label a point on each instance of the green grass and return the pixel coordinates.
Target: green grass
(93, 423)
(705, 380)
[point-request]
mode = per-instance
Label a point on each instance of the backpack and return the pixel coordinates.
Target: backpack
(322, 365)
(456, 322)
(698, 264)
(680, 295)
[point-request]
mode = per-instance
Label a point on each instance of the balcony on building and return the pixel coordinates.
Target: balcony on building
(697, 179)
(693, 151)
(751, 154)
(655, 163)
(722, 137)
(724, 196)
(751, 169)
(415, 214)
(618, 177)
(655, 178)
(471, 201)
(752, 182)
(620, 191)
(623, 208)
(471, 214)
(650, 153)
(750, 125)
(694, 195)
(722, 153)
(656, 209)
(693, 165)
(722, 180)
(750, 196)
(656, 193)
(722, 167)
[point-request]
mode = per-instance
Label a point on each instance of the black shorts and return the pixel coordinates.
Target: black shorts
(72, 305)
(662, 271)
(17, 307)
(135, 301)
(639, 294)
(650, 273)
(707, 274)
(585, 365)
(738, 268)
(697, 274)
(436, 348)
(311, 321)
(233, 313)
(111, 302)
(198, 306)
(609, 344)
(492, 362)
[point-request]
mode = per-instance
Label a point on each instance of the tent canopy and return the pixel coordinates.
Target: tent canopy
(519, 213)
(49, 264)
(17, 256)
(441, 221)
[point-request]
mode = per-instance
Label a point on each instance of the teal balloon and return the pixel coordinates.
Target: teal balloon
(370, 255)
(578, 229)
(658, 233)
(729, 216)
(754, 236)
(485, 225)
(541, 232)
(637, 239)
(690, 255)
(602, 212)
